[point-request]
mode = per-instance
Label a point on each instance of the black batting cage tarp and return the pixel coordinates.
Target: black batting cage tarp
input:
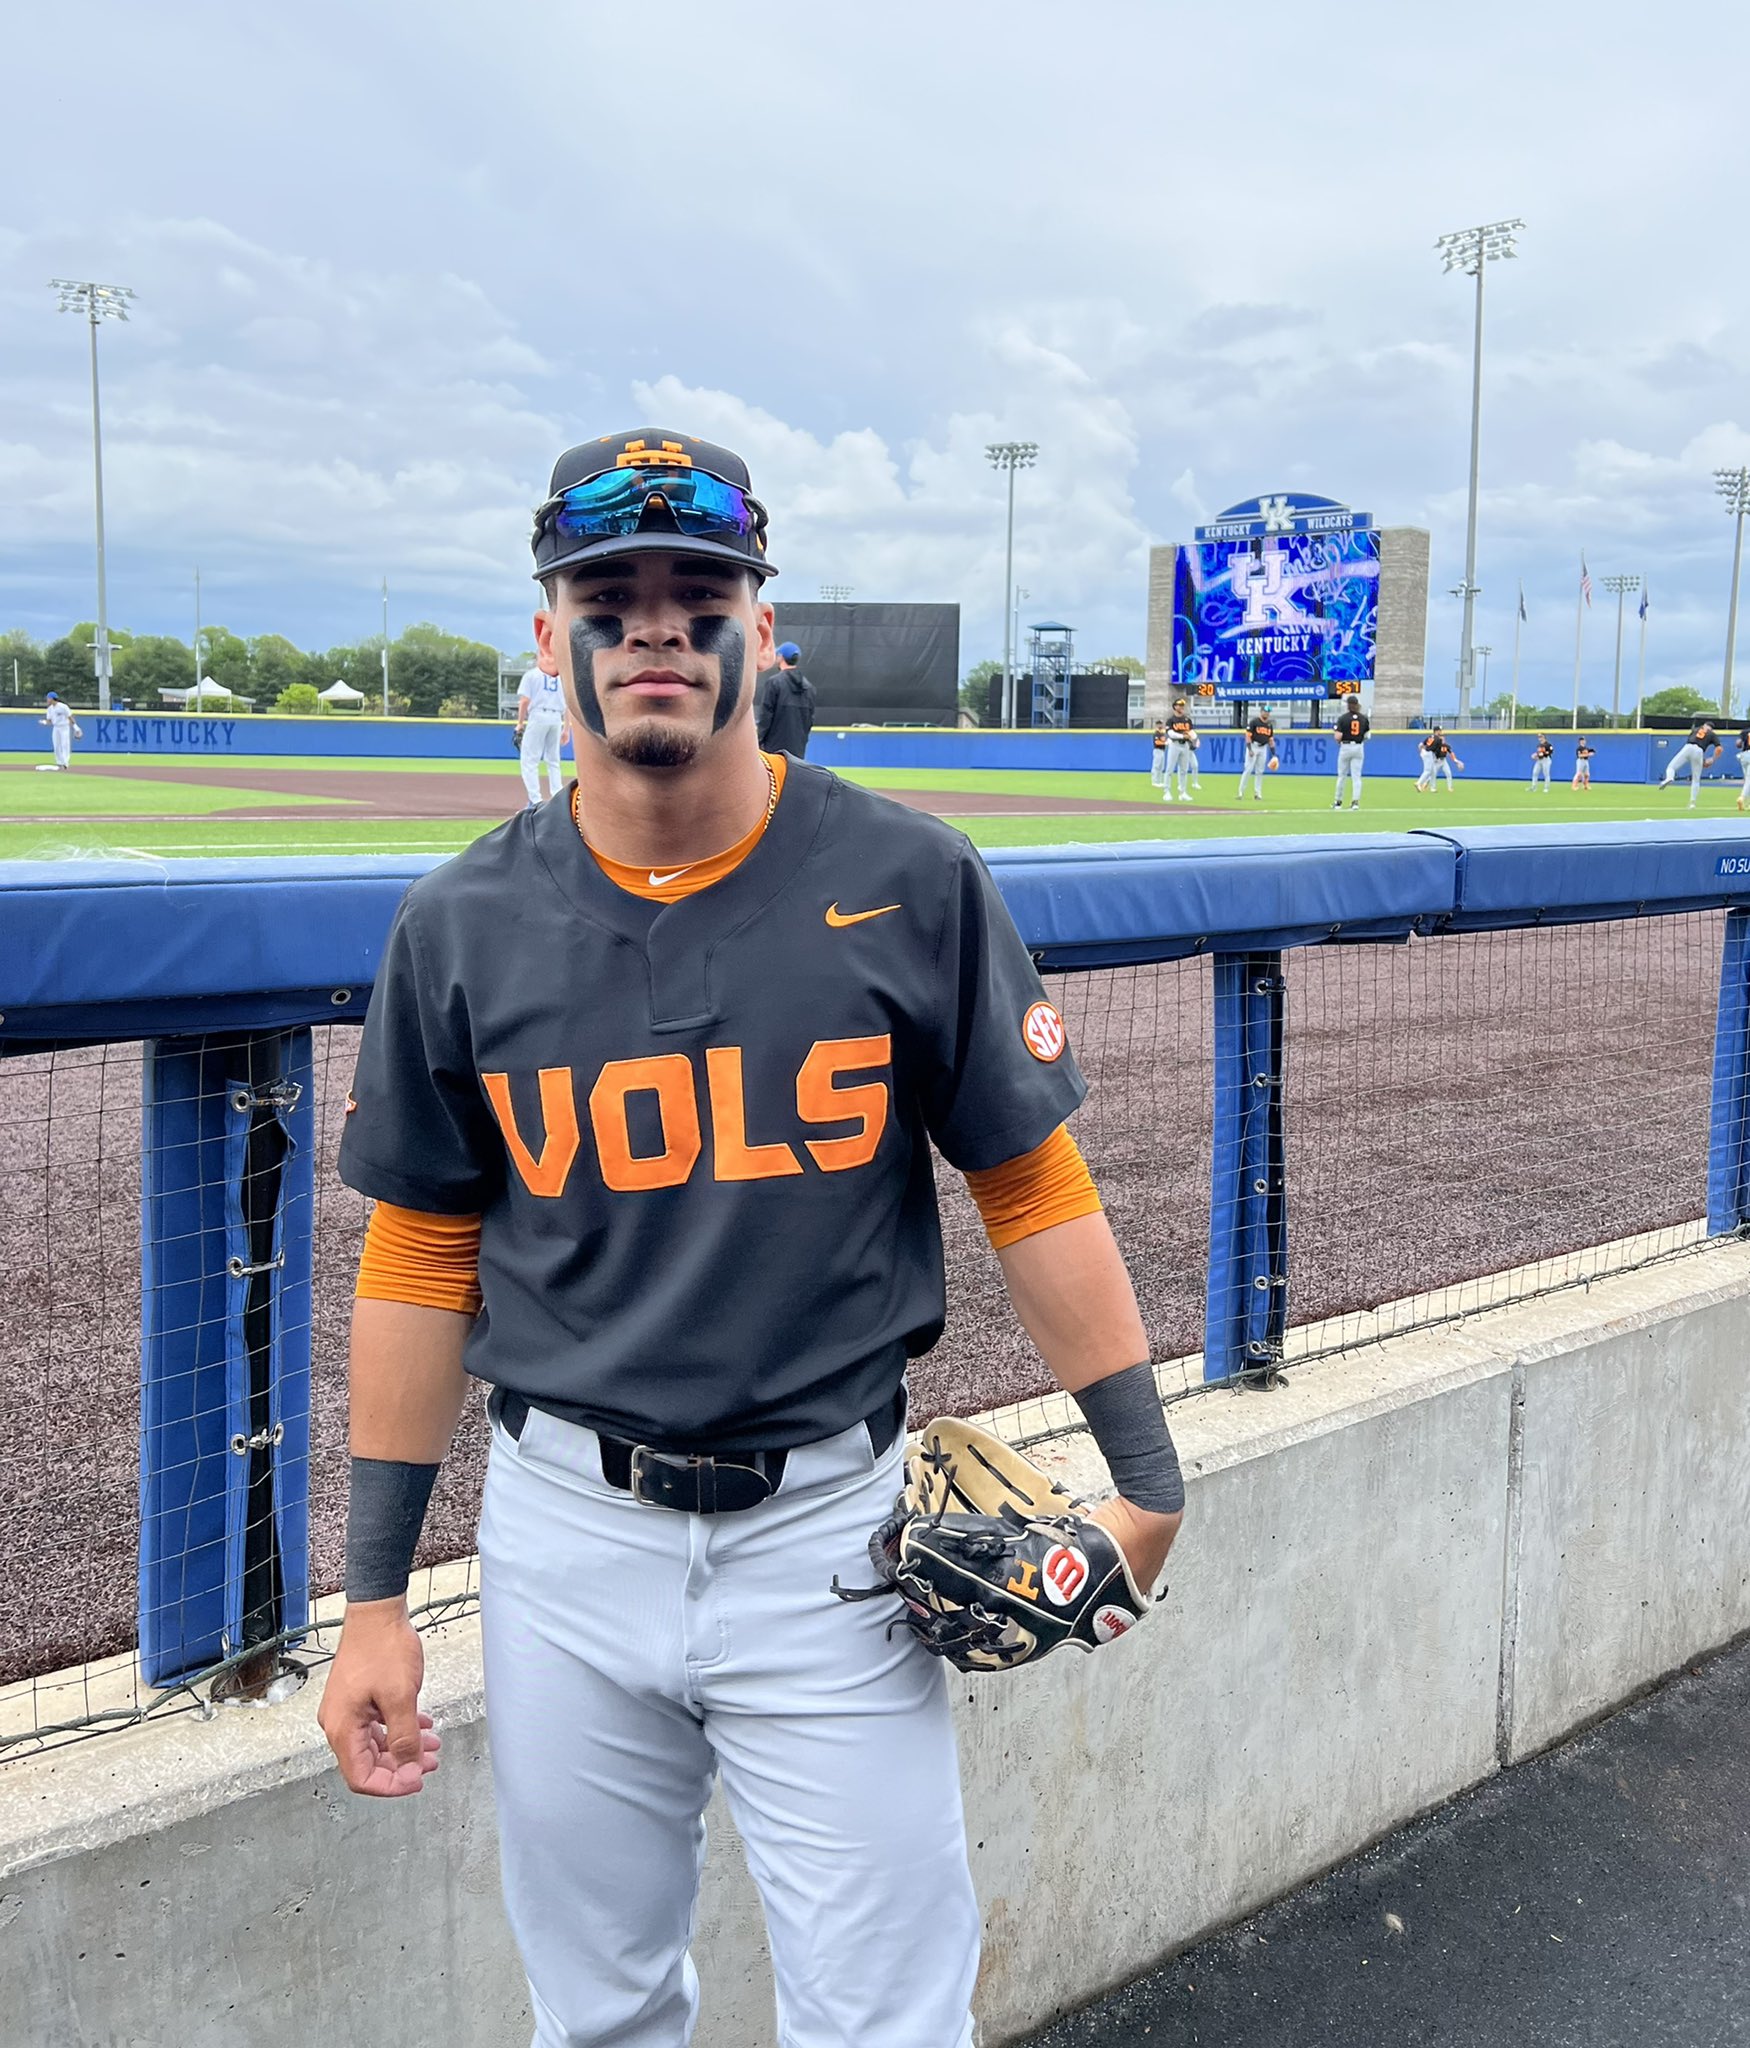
(878, 664)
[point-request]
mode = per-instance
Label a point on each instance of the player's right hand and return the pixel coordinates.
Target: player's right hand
(385, 1747)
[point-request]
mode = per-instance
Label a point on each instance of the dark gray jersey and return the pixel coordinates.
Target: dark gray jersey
(698, 1133)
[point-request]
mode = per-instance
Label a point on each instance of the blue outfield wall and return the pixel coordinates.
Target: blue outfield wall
(1631, 757)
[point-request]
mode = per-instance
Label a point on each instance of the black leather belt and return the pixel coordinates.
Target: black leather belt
(692, 1483)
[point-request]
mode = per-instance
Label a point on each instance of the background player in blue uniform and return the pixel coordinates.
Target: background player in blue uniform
(678, 1152)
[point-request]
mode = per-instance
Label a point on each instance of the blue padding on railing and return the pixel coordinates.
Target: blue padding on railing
(1546, 874)
(93, 950)
(1106, 906)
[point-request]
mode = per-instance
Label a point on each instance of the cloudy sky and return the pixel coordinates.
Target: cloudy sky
(391, 258)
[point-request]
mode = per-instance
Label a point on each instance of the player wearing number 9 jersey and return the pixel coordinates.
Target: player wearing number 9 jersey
(646, 1096)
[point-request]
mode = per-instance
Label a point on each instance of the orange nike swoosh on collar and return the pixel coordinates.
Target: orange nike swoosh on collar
(838, 918)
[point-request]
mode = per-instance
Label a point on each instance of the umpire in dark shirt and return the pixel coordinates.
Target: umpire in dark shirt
(784, 705)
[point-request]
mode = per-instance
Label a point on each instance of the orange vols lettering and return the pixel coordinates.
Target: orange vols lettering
(670, 1079)
(733, 1158)
(559, 1145)
(819, 1101)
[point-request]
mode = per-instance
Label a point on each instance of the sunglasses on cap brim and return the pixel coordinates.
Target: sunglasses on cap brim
(614, 504)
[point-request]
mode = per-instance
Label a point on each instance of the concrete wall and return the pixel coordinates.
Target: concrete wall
(1400, 646)
(1399, 1571)
(1160, 686)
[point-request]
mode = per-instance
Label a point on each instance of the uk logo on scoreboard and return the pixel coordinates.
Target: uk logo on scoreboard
(1278, 598)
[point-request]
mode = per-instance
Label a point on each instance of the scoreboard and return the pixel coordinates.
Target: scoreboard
(1277, 600)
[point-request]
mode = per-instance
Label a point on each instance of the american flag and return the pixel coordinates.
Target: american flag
(1522, 601)
(1585, 582)
(1644, 599)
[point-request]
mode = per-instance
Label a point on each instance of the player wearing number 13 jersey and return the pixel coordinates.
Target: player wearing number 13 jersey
(646, 1096)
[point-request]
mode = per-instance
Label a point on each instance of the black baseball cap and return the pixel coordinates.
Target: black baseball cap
(650, 491)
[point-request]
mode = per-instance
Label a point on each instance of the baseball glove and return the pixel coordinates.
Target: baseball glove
(516, 742)
(1273, 764)
(994, 1563)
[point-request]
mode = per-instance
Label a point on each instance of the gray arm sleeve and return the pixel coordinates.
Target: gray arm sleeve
(1123, 1413)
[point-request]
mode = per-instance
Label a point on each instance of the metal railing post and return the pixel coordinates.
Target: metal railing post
(1246, 1313)
(227, 1193)
(1728, 1152)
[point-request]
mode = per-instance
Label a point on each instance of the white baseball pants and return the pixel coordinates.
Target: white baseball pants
(1349, 756)
(1744, 763)
(631, 1654)
(541, 741)
(1540, 773)
(1180, 762)
(1257, 759)
(1690, 758)
(1157, 771)
(62, 738)
(1439, 765)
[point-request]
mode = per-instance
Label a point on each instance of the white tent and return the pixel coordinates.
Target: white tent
(340, 695)
(203, 692)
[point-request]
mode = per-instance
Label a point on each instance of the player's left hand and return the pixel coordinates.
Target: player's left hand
(1144, 1538)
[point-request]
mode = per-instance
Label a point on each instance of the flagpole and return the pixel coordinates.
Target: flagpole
(1579, 625)
(1518, 621)
(1641, 663)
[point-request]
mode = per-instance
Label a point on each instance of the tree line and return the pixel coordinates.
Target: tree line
(432, 674)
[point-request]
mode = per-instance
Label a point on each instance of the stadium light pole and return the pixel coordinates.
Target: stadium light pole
(1734, 486)
(834, 593)
(1485, 652)
(1472, 250)
(1622, 585)
(1010, 456)
(385, 646)
(97, 302)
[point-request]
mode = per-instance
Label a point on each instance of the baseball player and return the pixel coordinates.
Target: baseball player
(1699, 751)
(1584, 752)
(1439, 759)
(1542, 760)
(1743, 746)
(540, 731)
(1181, 753)
(62, 731)
(1353, 726)
(1157, 772)
(1260, 754)
(662, 1180)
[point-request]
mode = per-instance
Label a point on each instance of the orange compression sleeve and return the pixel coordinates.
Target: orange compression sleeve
(427, 1261)
(1051, 1184)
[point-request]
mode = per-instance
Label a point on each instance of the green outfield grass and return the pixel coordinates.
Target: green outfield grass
(26, 794)
(39, 814)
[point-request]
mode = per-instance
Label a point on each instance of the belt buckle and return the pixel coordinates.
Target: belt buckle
(643, 1458)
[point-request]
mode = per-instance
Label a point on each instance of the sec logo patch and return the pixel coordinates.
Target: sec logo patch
(1042, 1029)
(1112, 1622)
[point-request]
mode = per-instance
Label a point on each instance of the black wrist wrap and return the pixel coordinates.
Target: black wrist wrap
(1124, 1417)
(384, 1515)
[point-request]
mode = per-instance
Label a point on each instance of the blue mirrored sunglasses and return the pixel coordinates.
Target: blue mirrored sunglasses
(615, 503)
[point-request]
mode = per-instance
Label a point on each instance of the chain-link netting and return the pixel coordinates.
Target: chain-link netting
(1467, 1120)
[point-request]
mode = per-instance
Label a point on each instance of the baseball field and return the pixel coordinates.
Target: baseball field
(282, 806)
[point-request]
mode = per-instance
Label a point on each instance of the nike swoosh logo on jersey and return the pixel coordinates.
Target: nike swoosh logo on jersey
(662, 881)
(838, 918)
